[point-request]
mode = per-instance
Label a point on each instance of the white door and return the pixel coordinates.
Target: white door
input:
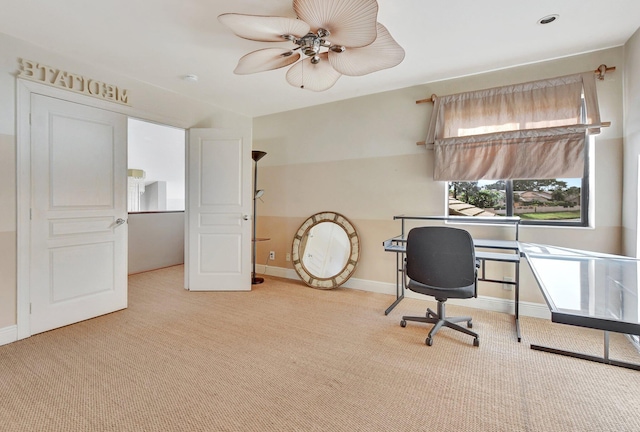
(218, 210)
(78, 257)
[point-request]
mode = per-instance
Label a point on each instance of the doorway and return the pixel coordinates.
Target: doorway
(216, 157)
(76, 196)
(156, 195)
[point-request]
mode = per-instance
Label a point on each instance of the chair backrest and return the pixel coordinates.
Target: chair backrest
(441, 257)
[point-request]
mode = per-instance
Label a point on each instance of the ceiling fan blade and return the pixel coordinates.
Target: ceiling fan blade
(383, 53)
(352, 23)
(265, 60)
(264, 28)
(315, 77)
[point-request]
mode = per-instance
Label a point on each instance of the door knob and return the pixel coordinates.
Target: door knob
(245, 217)
(120, 221)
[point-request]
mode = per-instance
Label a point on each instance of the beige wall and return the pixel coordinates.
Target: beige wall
(7, 230)
(359, 157)
(631, 142)
(147, 102)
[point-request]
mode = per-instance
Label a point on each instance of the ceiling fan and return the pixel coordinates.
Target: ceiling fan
(336, 37)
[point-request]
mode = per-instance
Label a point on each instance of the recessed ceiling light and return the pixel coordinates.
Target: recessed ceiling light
(190, 77)
(548, 19)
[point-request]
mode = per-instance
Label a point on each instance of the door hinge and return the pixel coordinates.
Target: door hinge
(29, 118)
(30, 308)
(30, 214)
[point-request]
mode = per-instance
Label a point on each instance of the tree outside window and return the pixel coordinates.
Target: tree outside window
(535, 201)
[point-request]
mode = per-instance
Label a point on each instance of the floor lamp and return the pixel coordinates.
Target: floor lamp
(256, 155)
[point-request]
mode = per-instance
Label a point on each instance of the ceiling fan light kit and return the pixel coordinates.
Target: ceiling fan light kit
(333, 38)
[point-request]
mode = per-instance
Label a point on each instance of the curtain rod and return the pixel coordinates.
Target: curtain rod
(601, 71)
(431, 99)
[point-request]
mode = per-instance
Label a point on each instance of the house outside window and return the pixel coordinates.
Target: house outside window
(544, 201)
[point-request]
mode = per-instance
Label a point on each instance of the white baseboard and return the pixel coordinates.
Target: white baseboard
(536, 310)
(276, 271)
(8, 334)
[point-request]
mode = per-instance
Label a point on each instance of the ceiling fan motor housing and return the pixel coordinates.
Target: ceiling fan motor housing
(310, 44)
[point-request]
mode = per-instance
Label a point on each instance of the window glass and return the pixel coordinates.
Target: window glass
(547, 200)
(535, 201)
(478, 198)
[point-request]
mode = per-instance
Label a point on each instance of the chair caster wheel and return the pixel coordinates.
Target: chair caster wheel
(469, 324)
(403, 323)
(476, 342)
(429, 341)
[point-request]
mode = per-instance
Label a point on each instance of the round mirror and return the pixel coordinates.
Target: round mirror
(325, 250)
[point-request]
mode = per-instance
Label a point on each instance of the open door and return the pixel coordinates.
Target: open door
(78, 229)
(218, 231)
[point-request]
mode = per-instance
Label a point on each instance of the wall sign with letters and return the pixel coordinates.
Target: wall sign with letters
(70, 81)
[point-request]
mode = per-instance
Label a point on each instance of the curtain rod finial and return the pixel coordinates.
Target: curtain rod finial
(603, 69)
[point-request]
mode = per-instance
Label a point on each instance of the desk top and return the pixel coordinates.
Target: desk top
(502, 220)
(587, 289)
(397, 244)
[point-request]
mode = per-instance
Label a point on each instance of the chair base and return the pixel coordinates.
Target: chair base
(441, 320)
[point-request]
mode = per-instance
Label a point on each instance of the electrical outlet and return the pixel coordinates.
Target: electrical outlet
(272, 255)
(507, 287)
(288, 256)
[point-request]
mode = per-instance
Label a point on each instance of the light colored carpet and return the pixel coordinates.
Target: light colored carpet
(285, 357)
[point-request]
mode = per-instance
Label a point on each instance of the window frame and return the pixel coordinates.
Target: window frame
(584, 198)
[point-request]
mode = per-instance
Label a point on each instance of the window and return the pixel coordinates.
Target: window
(545, 201)
(519, 150)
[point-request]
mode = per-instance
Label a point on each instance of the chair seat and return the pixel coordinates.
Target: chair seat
(460, 292)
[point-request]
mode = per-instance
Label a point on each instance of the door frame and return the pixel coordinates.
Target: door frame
(24, 90)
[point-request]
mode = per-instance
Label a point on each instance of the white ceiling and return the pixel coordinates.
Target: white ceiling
(160, 41)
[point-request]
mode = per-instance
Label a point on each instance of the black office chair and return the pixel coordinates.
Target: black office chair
(440, 262)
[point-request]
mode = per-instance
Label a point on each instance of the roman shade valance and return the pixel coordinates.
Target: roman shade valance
(532, 130)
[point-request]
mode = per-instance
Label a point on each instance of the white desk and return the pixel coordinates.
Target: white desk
(587, 289)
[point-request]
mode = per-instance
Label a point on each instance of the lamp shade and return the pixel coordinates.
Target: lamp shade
(256, 155)
(135, 173)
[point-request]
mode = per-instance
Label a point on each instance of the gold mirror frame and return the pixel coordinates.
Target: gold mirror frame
(299, 242)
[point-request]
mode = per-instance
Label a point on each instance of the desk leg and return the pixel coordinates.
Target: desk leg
(605, 359)
(394, 304)
(483, 278)
(399, 284)
(517, 294)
